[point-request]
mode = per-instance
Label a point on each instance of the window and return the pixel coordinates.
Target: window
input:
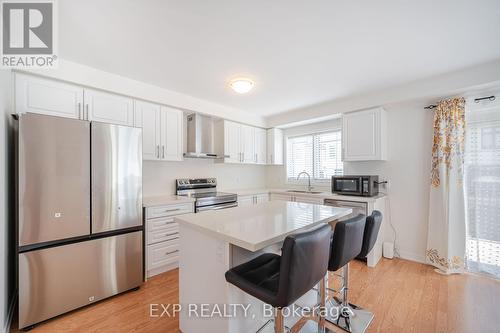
(482, 190)
(317, 154)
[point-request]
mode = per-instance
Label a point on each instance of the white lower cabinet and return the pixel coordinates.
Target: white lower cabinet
(295, 198)
(366, 208)
(162, 237)
(249, 200)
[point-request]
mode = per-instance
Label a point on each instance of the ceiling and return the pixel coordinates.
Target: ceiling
(299, 53)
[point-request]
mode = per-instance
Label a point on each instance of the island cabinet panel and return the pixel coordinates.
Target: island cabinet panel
(162, 237)
(213, 242)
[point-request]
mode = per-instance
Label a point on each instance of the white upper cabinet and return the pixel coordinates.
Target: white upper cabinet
(275, 146)
(260, 146)
(232, 141)
(54, 98)
(364, 136)
(161, 131)
(147, 117)
(248, 144)
(171, 134)
(108, 108)
(240, 143)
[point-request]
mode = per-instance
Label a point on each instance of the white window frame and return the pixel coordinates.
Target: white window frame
(303, 179)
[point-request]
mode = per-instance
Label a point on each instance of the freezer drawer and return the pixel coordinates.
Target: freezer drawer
(116, 177)
(56, 280)
(54, 178)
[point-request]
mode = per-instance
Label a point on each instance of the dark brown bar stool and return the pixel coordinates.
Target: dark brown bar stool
(280, 280)
(351, 317)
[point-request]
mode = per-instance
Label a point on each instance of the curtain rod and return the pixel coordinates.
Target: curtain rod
(476, 100)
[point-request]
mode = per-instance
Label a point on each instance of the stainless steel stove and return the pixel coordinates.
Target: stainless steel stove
(204, 190)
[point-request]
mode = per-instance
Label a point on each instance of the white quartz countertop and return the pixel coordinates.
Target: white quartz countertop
(256, 227)
(163, 200)
(323, 195)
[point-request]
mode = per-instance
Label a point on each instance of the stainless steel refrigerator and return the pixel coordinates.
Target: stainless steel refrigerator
(80, 227)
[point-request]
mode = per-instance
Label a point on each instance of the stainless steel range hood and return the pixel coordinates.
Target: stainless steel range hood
(200, 137)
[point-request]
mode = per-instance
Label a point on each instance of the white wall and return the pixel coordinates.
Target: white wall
(477, 77)
(91, 77)
(276, 175)
(159, 177)
(7, 284)
(407, 169)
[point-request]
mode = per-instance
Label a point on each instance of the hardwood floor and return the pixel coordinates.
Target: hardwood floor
(405, 297)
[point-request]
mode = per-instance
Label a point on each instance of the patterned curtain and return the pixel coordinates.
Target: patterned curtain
(447, 232)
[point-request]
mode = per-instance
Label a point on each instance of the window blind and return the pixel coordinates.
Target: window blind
(482, 190)
(317, 154)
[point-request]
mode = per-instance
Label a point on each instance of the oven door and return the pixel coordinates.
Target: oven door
(217, 207)
(347, 185)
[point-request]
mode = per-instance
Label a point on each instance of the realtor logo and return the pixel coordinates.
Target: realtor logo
(28, 34)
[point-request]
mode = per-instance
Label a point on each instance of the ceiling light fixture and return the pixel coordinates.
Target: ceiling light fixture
(241, 85)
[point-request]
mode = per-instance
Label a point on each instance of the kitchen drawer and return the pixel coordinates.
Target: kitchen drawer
(162, 254)
(160, 223)
(170, 210)
(170, 233)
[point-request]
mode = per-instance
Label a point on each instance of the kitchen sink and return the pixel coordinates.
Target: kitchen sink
(302, 191)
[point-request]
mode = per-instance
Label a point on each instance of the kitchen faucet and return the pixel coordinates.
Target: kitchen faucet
(309, 187)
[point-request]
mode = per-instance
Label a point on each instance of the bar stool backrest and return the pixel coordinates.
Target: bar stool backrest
(372, 228)
(304, 262)
(346, 242)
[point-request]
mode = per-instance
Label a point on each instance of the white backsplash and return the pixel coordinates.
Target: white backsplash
(159, 177)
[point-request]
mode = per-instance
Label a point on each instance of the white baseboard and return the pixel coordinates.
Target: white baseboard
(412, 256)
(10, 315)
(163, 269)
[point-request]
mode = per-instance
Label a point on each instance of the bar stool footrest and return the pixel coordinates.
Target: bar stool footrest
(351, 318)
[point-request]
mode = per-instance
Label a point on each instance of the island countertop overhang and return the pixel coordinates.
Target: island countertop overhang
(256, 227)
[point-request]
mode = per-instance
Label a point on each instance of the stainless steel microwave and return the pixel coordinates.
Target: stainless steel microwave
(366, 186)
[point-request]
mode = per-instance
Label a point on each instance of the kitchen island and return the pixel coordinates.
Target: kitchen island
(212, 242)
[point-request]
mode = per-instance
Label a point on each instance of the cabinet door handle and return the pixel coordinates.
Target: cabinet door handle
(79, 110)
(171, 252)
(243, 157)
(158, 151)
(255, 157)
(87, 107)
(172, 210)
(272, 159)
(171, 234)
(163, 151)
